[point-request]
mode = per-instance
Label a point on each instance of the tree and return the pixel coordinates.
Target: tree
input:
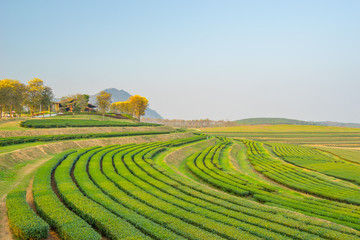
(138, 105)
(5, 94)
(19, 96)
(135, 106)
(121, 107)
(80, 102)
(46, 97)
(103, 101)
(35, 89)
(12, 96)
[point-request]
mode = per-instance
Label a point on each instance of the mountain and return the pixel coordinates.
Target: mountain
(120, 96)
(272, 121)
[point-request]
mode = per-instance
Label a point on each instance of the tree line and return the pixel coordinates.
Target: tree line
(135, 106)
(14, 96)
(36, 98)
(201, 123)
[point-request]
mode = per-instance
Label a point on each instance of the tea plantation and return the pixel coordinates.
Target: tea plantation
(231, 189)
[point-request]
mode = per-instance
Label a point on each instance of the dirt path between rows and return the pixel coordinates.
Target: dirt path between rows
(30, 200)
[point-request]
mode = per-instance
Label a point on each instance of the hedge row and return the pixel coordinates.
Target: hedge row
(66, 223)
(297, 178)
(100, 218)
(220, 179)
(128, 196)
(86, 185)
(250, 207)
(64, 123)
(341, 213)
(23, 221)
(194, 203)
(174, 205)
(124, 192)
(46, 138)
(235, 207)
(252, 224)
(318, 161)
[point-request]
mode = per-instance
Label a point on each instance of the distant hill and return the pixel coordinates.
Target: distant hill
(338, 124)
(121, 95)
(273, 121)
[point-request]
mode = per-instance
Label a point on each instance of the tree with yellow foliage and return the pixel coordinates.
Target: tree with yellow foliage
(12, 96)
(39, 96)
(35, 89)
(5, 92)
(135, 106)
(103, 101)
(138, 105)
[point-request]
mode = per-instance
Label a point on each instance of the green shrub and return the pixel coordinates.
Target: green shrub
(23, 221)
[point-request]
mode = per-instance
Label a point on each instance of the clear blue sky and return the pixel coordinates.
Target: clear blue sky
(194, 59)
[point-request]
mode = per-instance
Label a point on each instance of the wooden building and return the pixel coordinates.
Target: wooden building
(59, 106)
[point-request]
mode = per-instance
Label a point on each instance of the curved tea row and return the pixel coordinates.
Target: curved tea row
(120, 193)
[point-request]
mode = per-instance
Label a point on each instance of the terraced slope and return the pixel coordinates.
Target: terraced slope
(119, 192)
(318, 161)
(205, 165)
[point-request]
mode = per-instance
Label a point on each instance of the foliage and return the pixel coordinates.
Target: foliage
(135, 106)
(66, 223)
(207, 166)
(281, 128)
(105, 221)
(63, 123)
(12, 96)
(46, 138)
(77, 102)
(200, 123)
(138, 105)
(318, 161)
(122, 193)
(300, 179)
(103, 101)
(23, 221)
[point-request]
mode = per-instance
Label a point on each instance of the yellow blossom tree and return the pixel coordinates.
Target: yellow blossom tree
(103, 101)
(135, 106)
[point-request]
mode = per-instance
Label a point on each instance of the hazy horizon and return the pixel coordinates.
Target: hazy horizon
(194, 59)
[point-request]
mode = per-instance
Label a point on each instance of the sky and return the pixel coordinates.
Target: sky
(194, 59)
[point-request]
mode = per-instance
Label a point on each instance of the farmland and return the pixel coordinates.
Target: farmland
(294, 134)
(63, 123)
(171, 185)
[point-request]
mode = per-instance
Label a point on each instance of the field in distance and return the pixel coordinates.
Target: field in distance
(295, 134)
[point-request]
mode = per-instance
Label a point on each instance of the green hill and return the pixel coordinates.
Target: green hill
(274, 121)
(271, 121)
